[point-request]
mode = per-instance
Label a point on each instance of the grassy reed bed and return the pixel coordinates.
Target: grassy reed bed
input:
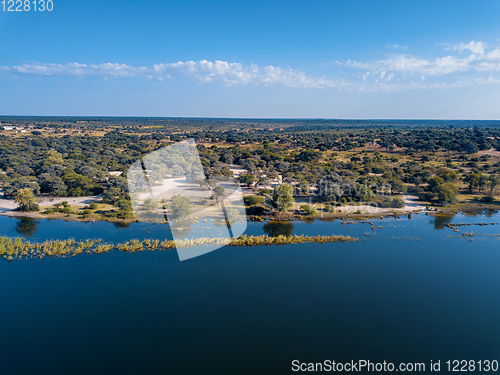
(17, 248)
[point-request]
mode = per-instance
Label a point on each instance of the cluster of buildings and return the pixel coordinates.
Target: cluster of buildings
(17, 129)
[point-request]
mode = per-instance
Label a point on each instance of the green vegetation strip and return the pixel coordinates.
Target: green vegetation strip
(454, 225)
(17, 248)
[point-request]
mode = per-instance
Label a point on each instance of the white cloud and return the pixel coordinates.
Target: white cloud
(75, 69)
(466, 64)
(202, 71)
(396, 46)
(412, 65)
(474, 47)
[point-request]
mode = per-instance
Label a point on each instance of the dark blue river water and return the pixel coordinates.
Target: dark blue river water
(413, 291)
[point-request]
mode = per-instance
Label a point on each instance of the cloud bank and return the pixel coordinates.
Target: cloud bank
(407, 64)
(201, 71)
(470, 63)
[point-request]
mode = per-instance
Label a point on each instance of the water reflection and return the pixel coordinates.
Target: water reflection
(278, 228)
(119, 224)
(27, 226)
(183, 228)
(440, 221)
(480, 211)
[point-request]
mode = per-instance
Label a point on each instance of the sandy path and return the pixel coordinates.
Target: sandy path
(10, 205)
(411, 204)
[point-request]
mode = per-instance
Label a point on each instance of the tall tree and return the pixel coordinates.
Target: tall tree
(283, 197)
(494, 181)
(471, 179)
(26, 200)
(247, 179)
(180, 207)
(482, 179)
(218, 192)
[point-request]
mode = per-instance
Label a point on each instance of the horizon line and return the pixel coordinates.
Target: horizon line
(255, 118)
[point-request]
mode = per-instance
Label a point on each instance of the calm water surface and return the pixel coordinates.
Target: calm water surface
(413, 290)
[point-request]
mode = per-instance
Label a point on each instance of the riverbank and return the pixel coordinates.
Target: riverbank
(78, 210)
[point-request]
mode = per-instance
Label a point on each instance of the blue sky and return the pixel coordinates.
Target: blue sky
(288, 59)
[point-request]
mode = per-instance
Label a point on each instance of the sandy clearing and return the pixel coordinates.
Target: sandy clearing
(10, 205)
(237, 170)
(411, 205)
(491, 152)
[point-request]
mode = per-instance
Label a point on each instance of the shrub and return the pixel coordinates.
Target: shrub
(26, 200)
(488, 199)
(266, 192)
(255, 210)
(125, 214)
(111, 213)
(330, 208)
(395, 202)
(253, 200)
(308, 209)
(93, 205)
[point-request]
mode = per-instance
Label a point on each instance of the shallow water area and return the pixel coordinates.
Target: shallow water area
(409, 290)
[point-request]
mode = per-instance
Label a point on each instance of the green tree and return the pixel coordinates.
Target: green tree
(308, 155)
(470, 148)
(24, 182)
(494, 181)
(308, 209)
(180, 207)
(26, 200)
(252, 200)
(482, 179)
(446, 192)
(471, 179)
(448, 175)
(282, 197)
(434, 182)
(397, 186)
(395, 202)
(364, 193)
(52, 157)
(305, 187)
(52, 185)
(247, 179)
(77, 183)
(219, 192)
(149, 204)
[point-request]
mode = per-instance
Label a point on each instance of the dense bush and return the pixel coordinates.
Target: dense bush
(308, 209)
(488, 199)
(252, 200)
(395, 202)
